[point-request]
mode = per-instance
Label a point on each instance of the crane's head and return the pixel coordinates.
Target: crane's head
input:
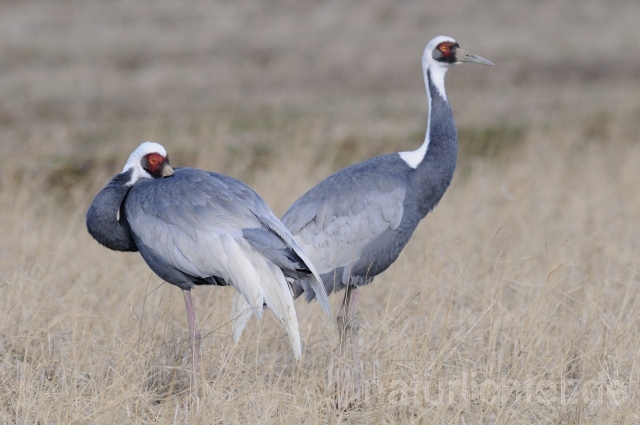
(150, 161)
(444, 51)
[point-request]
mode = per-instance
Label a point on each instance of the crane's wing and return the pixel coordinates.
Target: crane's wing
(208, 225)
(338, 220)
(276, 243)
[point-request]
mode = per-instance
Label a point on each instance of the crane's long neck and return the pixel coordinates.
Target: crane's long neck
(441, 139)
(105, 220)
(435, 161)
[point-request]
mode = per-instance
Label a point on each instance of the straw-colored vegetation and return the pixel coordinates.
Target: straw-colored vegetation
(516, 301)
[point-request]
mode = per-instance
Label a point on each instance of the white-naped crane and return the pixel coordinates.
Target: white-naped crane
(195, 227)
(354, 224)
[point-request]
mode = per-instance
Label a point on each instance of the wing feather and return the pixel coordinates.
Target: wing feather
(194, 222)
(337, 220)
(336, 242)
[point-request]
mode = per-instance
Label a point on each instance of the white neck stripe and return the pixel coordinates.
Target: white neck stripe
(436, 74)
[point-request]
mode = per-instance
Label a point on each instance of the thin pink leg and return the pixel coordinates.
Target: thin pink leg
(349, 325)
(194, 333)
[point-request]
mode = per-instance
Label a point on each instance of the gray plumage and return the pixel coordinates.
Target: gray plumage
(188, 220)
(354, 224)
(194, 227)
(104, 218)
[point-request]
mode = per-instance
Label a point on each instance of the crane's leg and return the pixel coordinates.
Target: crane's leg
(349, 325)
(194, 333)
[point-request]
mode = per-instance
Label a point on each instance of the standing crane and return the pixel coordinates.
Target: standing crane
(194, 227)
(354, 224)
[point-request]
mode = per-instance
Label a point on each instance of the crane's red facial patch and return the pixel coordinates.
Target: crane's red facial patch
(153, 163)
(446, 52)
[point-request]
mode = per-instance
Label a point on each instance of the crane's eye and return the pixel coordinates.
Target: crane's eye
(154, 159)
(444, 48)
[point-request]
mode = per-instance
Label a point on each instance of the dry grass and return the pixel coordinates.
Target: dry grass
(515, 302)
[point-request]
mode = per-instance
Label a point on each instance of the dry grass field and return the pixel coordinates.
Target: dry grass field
(516, 301)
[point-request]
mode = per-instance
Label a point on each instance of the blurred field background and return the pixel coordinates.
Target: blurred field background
(516, 301)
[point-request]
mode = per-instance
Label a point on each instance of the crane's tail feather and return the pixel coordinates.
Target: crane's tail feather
(277, 296)
(284, 252)
(269, 282)
(317, 288)
(305, 286)
(240, 314)
(313, 285)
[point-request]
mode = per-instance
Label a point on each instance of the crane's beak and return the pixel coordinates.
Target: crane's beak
(167, 170)
(464, 56)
